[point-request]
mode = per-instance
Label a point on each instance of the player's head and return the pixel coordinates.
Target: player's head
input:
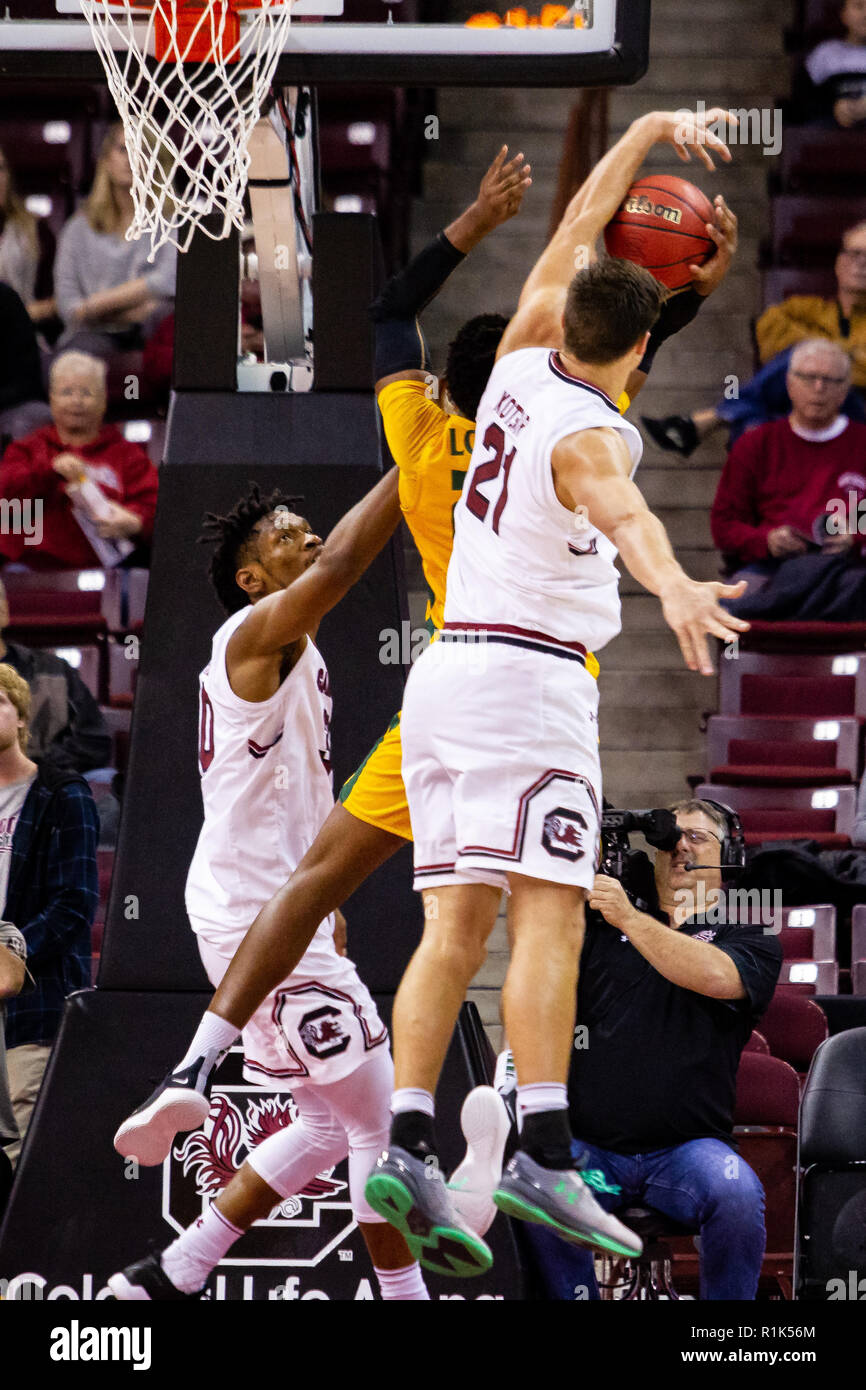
(471, 355)
(262, 546)
(14, 709)
(610, 307)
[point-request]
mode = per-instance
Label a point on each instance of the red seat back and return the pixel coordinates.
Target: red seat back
(794, 1027)
(768, 1091)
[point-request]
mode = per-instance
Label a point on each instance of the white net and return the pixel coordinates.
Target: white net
(187, 125)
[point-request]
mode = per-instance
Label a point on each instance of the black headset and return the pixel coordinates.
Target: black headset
(734, 844)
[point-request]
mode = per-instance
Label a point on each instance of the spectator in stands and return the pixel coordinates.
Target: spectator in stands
(13, 972)
(109, 297)
(67, 730)
(49, 885)
(836, 70)
(668, 1003)
(58, 465)
(776, 496)
(841, 320)
(22, 404)
(26, 250)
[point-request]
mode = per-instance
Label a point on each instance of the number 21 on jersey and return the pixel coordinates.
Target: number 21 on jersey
(478, 505)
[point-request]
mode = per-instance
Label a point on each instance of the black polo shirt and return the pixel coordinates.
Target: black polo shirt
(659, 1066)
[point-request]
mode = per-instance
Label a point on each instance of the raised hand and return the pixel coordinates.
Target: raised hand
(693, 612)
(501, 191)
(689, 131)
(723, 231)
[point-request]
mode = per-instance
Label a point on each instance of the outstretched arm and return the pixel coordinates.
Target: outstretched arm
(591, 471)
(401, 352)
(537, 321)
(280, 619)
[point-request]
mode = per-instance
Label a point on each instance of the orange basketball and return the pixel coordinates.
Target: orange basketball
(661, 225)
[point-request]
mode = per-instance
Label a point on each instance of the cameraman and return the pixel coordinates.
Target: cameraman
(669, 1005)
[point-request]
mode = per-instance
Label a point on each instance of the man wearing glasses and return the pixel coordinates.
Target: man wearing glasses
(841, 320)
(784, 480)
(666, 1004)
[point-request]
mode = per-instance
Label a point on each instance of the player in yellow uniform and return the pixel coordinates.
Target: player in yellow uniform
(429, 427)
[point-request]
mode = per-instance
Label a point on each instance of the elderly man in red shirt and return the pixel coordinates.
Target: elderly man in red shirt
(82, 525)
(786, 483)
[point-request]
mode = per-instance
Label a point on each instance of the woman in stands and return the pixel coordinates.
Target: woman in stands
(109, 297)
(26, 250)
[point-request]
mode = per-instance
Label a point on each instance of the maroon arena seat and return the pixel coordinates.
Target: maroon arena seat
(136, 598)
(858, 949)
(87, 661)
(832, 685)
(757, 1043)
(817, 161)
(768, 1089)
(780, 282)
(794, 1027)
(742, 751)
(825, 814)
(798, 639)
(768, 1098)
(819, 920)
(820, 20)
(50, 605)
(806, 231)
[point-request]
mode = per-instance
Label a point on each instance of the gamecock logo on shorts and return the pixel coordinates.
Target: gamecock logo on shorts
(322, 1032)
(561, 835)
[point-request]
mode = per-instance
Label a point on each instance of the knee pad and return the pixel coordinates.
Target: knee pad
(290, 1159)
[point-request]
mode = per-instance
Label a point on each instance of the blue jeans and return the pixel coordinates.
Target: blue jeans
(702, 1184)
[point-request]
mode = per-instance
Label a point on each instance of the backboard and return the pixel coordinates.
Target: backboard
(402, 43)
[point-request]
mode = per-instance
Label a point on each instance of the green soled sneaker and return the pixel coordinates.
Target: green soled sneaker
(561, 1200)
(411, 1194)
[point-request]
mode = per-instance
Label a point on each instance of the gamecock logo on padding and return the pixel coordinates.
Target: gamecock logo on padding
(300, 1231)
(561, 835)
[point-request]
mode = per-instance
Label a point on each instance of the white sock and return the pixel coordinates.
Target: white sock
(213, 1034)
(412, 1098)
(541, 1095)
(406, 1284)
(189, 1260)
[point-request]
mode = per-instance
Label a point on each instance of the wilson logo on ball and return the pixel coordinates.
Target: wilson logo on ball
(644, 205)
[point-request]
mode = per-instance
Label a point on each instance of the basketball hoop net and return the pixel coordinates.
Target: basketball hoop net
(188, 111)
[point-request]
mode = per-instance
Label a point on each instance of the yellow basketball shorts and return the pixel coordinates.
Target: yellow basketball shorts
(375, 793)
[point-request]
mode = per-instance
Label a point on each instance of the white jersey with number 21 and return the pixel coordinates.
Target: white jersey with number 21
(521, 559)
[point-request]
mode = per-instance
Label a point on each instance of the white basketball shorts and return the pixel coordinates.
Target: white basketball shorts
(500, 762)
(305, 1030)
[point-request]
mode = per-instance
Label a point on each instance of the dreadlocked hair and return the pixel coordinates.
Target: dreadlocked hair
(230, 534)
(470, 361)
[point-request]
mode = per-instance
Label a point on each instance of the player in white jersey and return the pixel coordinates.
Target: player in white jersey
(500, 745)
(264, 759)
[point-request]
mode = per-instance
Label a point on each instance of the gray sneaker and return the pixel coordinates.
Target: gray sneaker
(561, 1200)
(411, 1194)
